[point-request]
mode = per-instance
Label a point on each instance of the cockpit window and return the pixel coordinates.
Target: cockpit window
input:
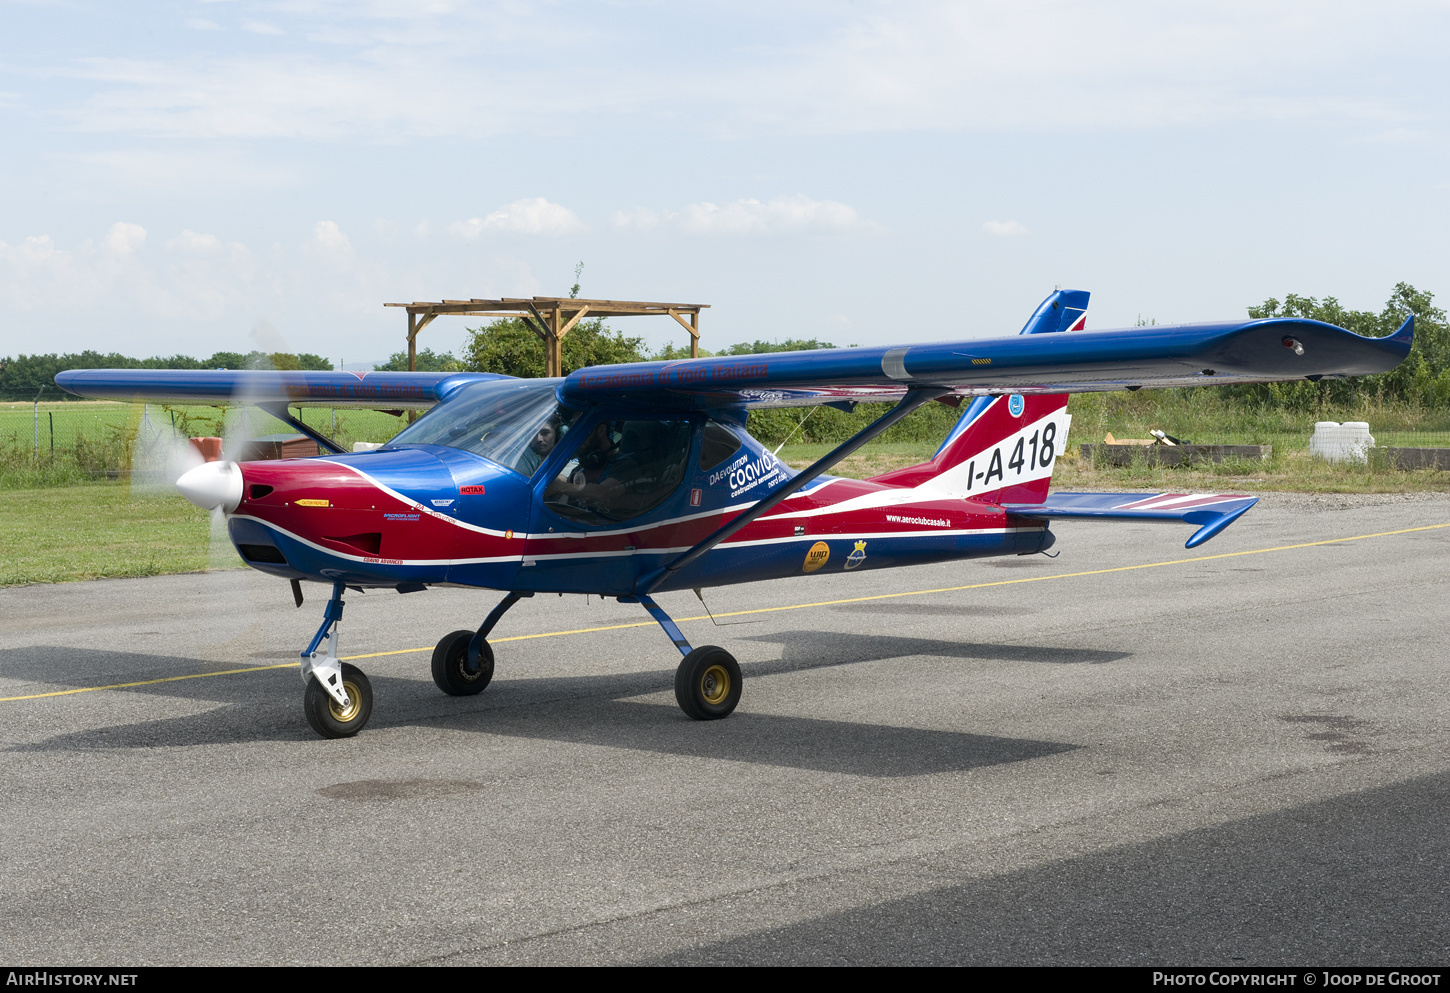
(515, 423)
(718, 444)
(621, 470)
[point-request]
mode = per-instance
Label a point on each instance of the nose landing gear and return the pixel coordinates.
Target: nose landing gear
(338, 699)
(339, 720)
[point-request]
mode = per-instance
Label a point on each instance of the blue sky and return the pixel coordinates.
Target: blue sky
(194, 176)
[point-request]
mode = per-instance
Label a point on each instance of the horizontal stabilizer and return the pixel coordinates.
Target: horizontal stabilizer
(1212, 512)
(222, 387)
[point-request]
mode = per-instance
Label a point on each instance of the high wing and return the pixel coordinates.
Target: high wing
(1211, 511)
(400, 390)
(1271, 350)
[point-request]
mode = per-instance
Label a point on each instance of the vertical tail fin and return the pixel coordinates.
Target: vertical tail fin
(1063, 310)
(1003, 449)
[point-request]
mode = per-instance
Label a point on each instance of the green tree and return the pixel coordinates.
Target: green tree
(426, 361)
(672, 352)
(508, 346)
(310, 362)
(789, 345)
(228, 360)
(269, 360)
(30, 376)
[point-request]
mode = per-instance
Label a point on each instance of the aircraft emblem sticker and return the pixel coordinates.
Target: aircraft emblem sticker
(1015, 404)
(817, 556)
(857, 556)
(471, 490)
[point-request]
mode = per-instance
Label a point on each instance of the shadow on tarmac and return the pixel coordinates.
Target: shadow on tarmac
(584, 709)
(1355, 880)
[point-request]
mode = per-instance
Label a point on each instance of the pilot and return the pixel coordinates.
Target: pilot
(595, 457)
(587, 481)
(544, 441)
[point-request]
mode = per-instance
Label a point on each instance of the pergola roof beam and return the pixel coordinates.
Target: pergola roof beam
(563, 314)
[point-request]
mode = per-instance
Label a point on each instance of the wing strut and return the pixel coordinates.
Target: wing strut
(914, 398)
(279, 411)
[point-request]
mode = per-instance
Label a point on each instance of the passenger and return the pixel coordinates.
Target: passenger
(544, 441)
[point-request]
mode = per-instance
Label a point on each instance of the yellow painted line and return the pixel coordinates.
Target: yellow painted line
(765, 610)
(149, 682)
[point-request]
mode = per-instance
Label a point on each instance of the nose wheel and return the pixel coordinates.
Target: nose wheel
(338, 699)
(332, 718)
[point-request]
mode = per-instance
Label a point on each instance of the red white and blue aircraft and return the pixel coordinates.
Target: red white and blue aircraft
(630, 480)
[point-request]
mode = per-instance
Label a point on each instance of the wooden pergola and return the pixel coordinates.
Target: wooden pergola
(551, 318)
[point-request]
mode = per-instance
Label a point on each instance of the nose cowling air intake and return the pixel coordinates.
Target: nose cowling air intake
(213, 485)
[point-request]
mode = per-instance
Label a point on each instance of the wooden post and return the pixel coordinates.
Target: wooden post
(412, 342)
(693, 327)
(554, 354)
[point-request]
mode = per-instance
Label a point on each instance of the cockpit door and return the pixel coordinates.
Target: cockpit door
(602, 508)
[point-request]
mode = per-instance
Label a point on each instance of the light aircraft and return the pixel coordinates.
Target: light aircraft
(630, 480)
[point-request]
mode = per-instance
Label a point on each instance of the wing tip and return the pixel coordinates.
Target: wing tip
(1213, 527)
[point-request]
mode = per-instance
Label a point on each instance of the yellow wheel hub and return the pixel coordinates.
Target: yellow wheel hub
(343, 714)
(715, 685)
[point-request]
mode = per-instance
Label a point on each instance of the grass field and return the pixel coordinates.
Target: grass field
(1201, 417)
(96, 530)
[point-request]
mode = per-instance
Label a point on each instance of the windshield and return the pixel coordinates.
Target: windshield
(515, 423)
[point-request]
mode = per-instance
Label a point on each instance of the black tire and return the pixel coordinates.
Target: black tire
(707, 683)
(332, 721)
(450, 661)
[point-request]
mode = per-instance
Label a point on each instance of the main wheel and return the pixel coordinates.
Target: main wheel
(450, 665)
(328, 717)
(707, 683)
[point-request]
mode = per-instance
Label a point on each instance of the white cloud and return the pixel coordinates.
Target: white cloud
(1005, 229)
(782, 215)
(200, 278)
(533, 215)
(37, 248)
(393, 71)
(172, 170)
(191, 243)
(201, 24)
(331, 244)
(124, 239)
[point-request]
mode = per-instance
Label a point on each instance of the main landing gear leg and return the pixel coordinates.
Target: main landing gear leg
(338, 699)
(708, 681)
(463, 660)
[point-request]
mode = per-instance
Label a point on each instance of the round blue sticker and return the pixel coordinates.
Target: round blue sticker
(1015, 404)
